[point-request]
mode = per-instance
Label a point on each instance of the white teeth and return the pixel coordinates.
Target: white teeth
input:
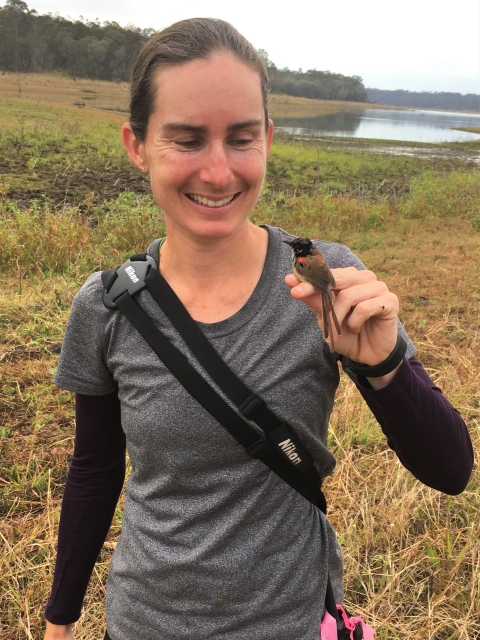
(211, 203)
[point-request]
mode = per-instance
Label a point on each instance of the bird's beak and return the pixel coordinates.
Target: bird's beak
(287, 242)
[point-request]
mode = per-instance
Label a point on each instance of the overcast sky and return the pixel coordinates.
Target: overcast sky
(431, 45)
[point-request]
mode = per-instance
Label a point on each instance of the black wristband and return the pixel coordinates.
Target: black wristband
(381, 369)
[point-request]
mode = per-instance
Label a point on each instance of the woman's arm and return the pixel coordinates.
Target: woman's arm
(422, 427)
(94, 482)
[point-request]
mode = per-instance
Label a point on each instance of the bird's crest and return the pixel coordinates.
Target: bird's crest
(301, 246)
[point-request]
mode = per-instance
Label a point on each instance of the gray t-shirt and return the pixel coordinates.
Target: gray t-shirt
(214, 545)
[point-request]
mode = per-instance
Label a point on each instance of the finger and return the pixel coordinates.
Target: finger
(291, 280)
(307, 293)
(349, 277)
(346, 299)
(385, 306)
(303, 290)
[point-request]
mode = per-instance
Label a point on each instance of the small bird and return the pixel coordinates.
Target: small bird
(309, 265)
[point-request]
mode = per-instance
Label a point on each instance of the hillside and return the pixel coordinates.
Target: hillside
(426, 99)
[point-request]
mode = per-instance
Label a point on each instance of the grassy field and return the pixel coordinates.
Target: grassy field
(114, 96)
(283, 106)
(61, 89)
(67, 194)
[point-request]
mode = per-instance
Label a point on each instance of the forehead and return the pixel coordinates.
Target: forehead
(219, 87)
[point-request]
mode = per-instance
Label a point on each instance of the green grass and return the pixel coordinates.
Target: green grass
(468, 146)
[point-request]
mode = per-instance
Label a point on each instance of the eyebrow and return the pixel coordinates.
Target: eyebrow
(244, 125)
(236, 126)
(180, 126)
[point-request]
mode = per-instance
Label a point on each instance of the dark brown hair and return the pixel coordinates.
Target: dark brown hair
(183, 42)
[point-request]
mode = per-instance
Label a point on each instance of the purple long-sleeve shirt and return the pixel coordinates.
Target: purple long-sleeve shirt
(421, 426)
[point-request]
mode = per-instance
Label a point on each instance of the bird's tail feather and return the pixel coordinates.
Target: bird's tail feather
(327, 309)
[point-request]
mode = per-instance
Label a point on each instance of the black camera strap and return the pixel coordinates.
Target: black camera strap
(279, 448)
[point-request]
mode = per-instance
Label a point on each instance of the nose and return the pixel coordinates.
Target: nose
(217, 170)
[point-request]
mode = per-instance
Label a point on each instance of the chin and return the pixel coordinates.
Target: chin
(214, 229)
(216, 232)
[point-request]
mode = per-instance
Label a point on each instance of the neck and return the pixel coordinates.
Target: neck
(214, 260)
(214, 278)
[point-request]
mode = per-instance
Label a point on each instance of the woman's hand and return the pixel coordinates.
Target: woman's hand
(58, 632)
(366, 310)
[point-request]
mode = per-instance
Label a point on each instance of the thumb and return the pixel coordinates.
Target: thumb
(307, 293)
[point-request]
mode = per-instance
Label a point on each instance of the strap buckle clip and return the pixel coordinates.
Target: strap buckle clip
(251, 406)
(130, 277)
(259, 448)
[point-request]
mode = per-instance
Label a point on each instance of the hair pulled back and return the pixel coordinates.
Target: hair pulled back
(184, 41)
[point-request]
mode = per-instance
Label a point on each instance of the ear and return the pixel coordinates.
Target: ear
(135, 149)
(269, 135)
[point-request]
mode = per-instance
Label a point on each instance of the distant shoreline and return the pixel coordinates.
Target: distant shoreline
(285, 106)
(477, 113)
(467, 129)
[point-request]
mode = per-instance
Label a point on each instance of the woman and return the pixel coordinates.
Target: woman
(213, 544)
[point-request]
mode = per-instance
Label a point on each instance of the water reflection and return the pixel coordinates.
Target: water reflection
(347, 123)
(414, 125)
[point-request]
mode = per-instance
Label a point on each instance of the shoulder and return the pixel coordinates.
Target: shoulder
(338, 255)
(88, 299)
(90, 295)
(89, 315)
(88, 311)
(82, 366)
(91, 289)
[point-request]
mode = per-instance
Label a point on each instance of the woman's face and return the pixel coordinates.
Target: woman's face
(206, 145)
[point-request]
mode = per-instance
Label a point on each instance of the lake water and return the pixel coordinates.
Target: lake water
(414, 125)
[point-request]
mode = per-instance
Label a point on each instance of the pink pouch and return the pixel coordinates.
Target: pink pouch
(328, 626)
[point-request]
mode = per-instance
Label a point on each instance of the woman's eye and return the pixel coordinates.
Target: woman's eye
(241, 142)
(188, 144)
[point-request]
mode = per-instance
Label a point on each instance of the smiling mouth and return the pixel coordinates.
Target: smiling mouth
(206, 202)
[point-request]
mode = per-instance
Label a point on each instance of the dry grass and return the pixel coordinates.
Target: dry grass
(59, 89)
(99, 94)
(411, 554)
(282, 106)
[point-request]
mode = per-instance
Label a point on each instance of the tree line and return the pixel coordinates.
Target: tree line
(30, 42)
(426, 99)
(320, 85)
